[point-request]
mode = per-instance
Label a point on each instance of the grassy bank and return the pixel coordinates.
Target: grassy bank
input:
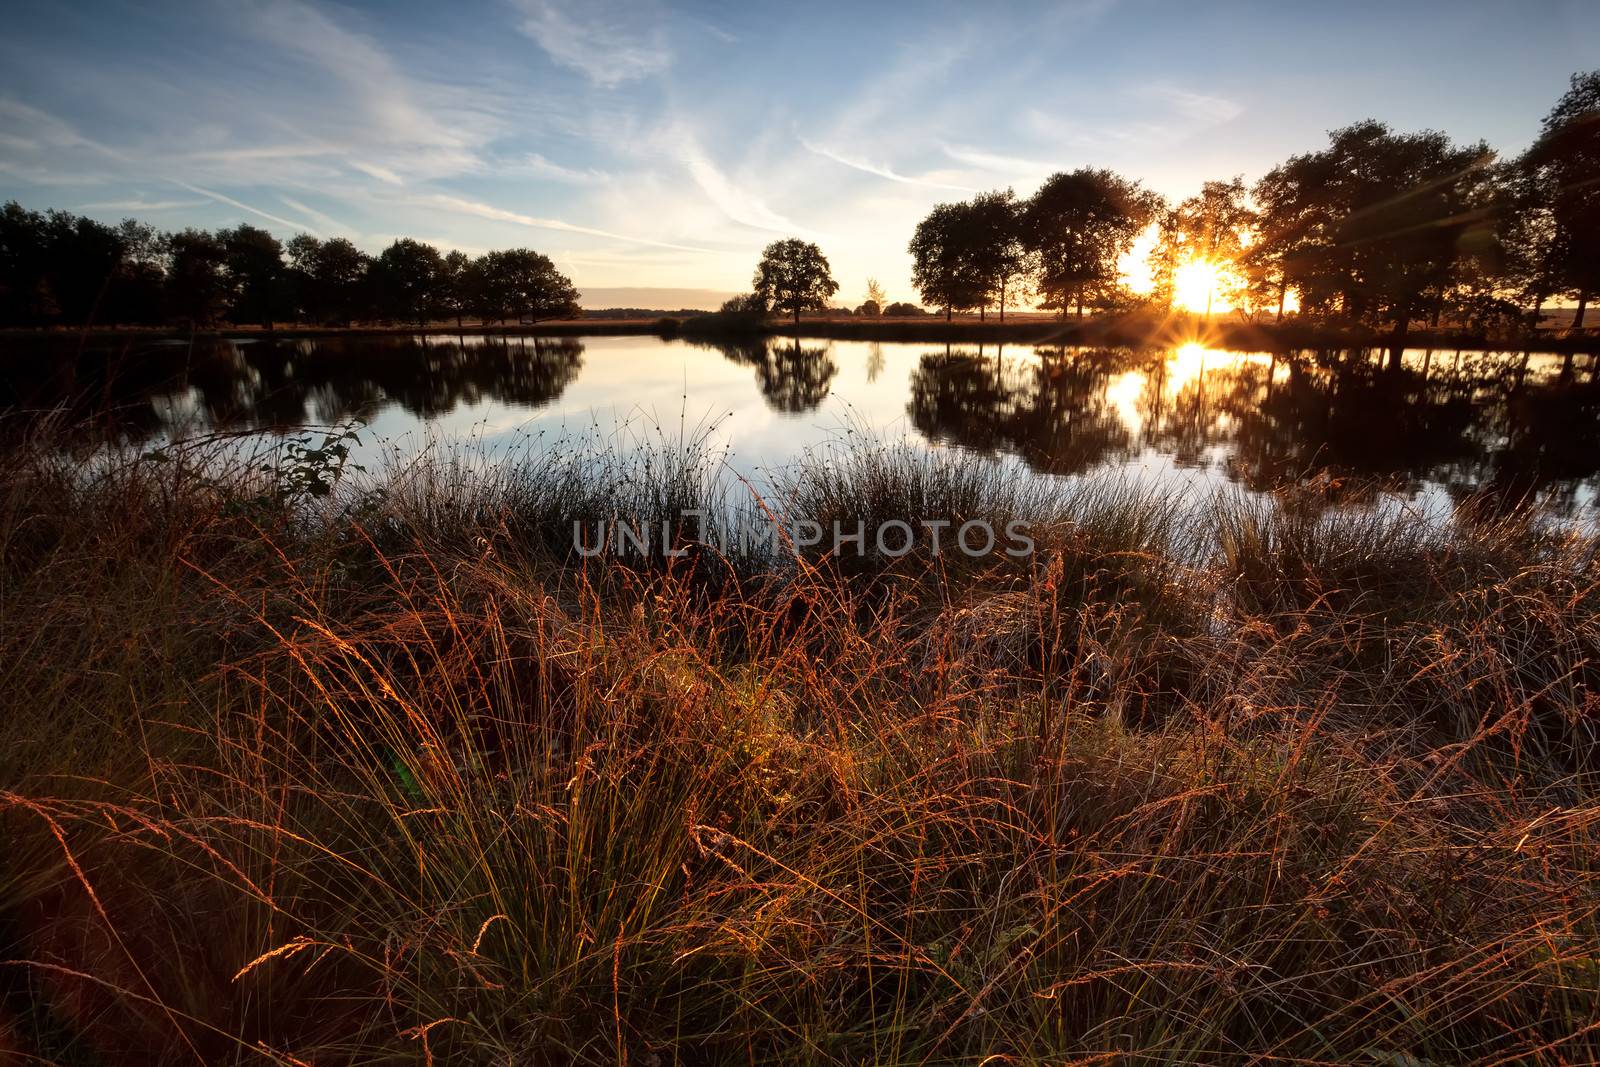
(388, 774)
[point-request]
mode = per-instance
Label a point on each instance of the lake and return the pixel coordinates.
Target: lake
(1190, 418)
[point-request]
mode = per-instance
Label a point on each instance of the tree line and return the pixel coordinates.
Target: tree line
(57, 268)
(1379, 228)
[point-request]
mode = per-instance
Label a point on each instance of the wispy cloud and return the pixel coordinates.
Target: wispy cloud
(880, 171)
(242, 206)
(139, 203)
(537, 166)
(28, 126)
(387, 117)
(383, 174)
(48, 176)
(608, 41)
(996, 162)
(739, 204)
(1202, 108)
(489, 211)
(1157, 114)
(327, 222)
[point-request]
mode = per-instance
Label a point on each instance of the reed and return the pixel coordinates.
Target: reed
(390, 774)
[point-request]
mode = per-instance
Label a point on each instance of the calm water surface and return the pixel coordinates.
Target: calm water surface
(1189, 418)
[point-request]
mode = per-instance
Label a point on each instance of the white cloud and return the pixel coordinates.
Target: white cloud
(608, 41)
(327, 222)
(488, 211)
(383, 174)
(998, 163)
(739, 204)
(139, 203)
(537, 166)
(1202, 108)
(357, 104)
(880, 171)
(231, 202)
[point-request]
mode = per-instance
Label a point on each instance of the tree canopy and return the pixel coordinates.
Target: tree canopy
(1079, 225)
(793, 276)
(1564, 165)
(1371, 228)
(62, 268)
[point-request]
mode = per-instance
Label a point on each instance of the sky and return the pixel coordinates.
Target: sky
(643, 144)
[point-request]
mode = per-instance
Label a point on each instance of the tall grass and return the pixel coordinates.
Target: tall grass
(393, 775)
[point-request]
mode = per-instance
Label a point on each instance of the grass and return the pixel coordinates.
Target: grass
(389, 775)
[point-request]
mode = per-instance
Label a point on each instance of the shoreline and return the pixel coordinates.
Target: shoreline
(1034, 330)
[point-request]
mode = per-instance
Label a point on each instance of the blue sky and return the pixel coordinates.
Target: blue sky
(653, 144)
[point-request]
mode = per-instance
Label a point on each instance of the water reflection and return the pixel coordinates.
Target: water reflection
(1512, 423)
(226, 385)
(794, 378)
(1442, 421)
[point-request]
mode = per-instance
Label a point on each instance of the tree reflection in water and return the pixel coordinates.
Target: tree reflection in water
(793, 378)
(269, 384)
(1506, 422)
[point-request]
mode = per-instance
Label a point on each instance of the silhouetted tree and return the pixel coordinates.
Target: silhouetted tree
(1289, 222)
(56, 266)
(521, 282)
(1210, 227)
(1079, 225)
(745, 304)
(1373, 226)
(302, 250)
(24, 295)
(943, 267)
(257, 279)
(793, 276)
(332, 277)
(1530, 267)
(904, 309)
(135, 295)
(993, 222)
(82, 260)
(408, 281)
(1566, 163)
(455, 290)
(197, 287)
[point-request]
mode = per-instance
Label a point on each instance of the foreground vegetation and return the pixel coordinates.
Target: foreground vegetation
(305, 770)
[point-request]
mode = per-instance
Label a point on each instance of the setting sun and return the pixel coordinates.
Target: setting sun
(1200, 285)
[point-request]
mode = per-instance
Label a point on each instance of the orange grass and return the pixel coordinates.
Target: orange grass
(385, 778)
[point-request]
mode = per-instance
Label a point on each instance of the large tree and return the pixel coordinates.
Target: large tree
(408, 281)
(256, 276)
(1565, 162)
(57, 266)
(520, 282)
(455, 288)
(1373, 227)
(135, 295)
(1529, 244)
(793, 276)
(1078, 226)
(995, 246)
(942, 264)
(197, 287)
(1210, 227)
(332, 278)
